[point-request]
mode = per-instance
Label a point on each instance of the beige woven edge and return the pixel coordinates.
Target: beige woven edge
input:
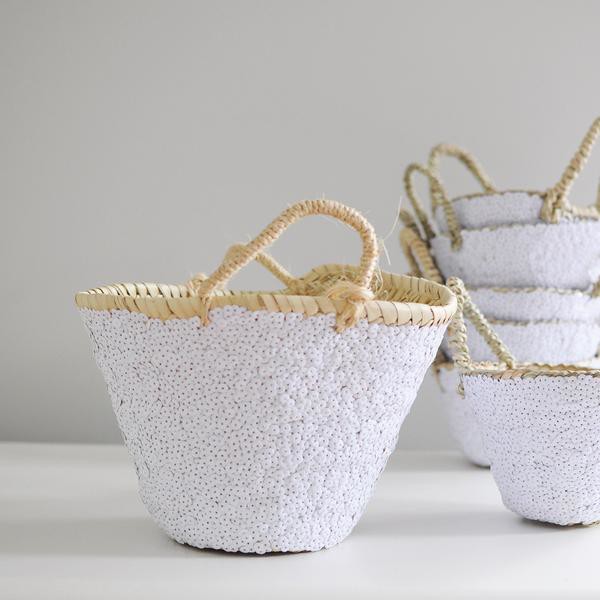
(408, 300)
(530, 371)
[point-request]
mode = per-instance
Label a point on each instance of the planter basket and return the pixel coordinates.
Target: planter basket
(260, 422)
(540, 426)
(496, 239)
(492, 208)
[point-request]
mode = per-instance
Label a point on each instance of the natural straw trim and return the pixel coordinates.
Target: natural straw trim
(399, 299)
(466, 158)
(354, 294)
(438, 198)
(508, 368)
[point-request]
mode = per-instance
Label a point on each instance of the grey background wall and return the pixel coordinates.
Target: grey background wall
(138, 140)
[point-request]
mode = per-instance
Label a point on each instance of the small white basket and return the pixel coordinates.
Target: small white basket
(261, 421)
(560, 247)
(491, 208)
(564, 255)
(459, 414)
(540, 426)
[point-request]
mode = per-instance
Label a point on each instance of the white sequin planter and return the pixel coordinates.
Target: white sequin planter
(459, 414)
(490, 210)
(525, 304)
(549, 342)
(261, 431)
(542, 436)
(563, 255)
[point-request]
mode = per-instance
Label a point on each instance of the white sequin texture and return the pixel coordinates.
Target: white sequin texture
(261, 431)
(563, 255)
(461, 418)
(474, 212)
(542, 436)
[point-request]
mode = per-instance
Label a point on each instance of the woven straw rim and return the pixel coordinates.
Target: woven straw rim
(525, 370)
(399, 299)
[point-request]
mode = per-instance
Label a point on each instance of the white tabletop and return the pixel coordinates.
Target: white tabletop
(72, 526)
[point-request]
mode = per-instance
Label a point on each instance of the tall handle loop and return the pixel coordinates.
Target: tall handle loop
(556, 202)
(264, 259)
(466, 158)
(417, 254)
(439, 197)
(457, 331)
(355, 294)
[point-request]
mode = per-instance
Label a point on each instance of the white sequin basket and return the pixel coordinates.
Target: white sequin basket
(459, 414)
(540, 426)
(260, 422)
(495, 239)
(524, 255)
(492, 208)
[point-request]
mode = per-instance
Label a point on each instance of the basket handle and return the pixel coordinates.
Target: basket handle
(556, 201)
(417, 252)
(457, 331)
(355, 294)
(268, 262)
(439, 198)
(264, 259)
(466, 158)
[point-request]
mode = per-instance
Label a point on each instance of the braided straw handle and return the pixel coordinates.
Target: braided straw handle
(556, 201)
(354, 294)
(268, 262)
(466, 158)
(417, 253)
(457, 331)
(262, 258)
(438, 193)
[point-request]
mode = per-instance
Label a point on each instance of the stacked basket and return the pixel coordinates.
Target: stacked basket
(540, 424)
(530, 260)
(260, 421)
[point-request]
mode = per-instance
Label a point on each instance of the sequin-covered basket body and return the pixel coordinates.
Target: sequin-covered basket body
(540, 426)
(260, 422)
